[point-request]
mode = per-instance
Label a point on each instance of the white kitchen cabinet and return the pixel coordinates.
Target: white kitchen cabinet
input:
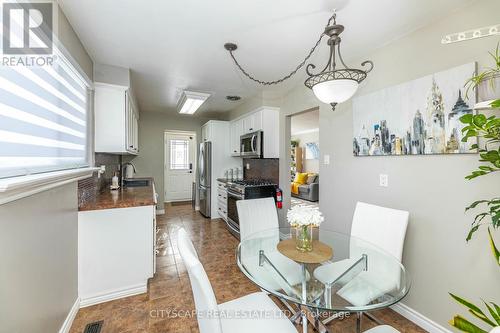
(252, 122)
(116, 120)
(236, 130)
(116, 253)
(264, 119)
(222, 200)
(206, 132)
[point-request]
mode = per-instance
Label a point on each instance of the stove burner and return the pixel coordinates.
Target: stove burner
(253, 182)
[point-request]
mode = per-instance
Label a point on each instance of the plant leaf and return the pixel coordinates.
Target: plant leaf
(464, 325)
(471, 232)
(496, 252)
(473, 309)
(495, 316)
(495, 103)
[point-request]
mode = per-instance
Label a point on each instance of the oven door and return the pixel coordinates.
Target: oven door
(251, 145)
(232, 222)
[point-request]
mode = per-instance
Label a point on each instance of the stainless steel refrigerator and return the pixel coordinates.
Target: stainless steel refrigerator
(205, 178)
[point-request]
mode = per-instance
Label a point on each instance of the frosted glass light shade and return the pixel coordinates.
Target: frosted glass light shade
(335, 91)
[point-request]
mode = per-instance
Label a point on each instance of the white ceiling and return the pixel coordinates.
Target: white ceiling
(306, 122)
(174, 45)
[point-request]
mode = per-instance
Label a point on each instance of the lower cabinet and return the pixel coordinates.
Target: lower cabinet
(116, 253)
(222, 200)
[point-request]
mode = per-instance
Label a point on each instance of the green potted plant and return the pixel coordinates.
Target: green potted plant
(487, 130)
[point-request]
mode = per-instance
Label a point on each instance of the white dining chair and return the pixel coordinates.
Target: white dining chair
(260, 215)
(373, 227)
(255, 312)
(382, 329)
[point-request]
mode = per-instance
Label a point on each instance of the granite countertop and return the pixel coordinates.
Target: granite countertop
(121, 198)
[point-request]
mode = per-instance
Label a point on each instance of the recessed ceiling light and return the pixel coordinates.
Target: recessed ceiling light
(233, 98)
(191, 101)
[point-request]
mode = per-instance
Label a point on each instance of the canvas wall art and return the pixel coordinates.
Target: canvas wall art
(419, 117)
(312, 151)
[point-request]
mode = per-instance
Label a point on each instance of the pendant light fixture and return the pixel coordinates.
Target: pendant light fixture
(332, 85)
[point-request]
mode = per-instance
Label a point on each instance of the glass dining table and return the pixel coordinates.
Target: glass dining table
(355, 276)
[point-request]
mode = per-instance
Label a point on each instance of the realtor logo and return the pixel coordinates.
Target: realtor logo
(27, 28)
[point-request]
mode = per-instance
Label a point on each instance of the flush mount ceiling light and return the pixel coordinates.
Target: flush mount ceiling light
(191, 101)
(332, 85)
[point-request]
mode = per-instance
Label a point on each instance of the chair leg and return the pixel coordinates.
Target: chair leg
(358, 322)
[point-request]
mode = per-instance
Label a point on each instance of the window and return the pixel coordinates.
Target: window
(179, 154)
(43, 118)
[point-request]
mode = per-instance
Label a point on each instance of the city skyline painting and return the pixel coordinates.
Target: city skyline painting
(419, 117)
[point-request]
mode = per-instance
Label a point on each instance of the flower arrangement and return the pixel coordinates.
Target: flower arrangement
(303, 218)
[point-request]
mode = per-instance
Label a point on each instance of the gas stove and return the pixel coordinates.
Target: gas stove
(244, 190)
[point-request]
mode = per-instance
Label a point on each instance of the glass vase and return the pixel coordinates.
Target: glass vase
(304, 238)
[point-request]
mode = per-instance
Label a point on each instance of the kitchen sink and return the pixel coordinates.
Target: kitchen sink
(136, 182)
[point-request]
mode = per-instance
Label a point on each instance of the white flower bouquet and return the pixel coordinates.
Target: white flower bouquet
(303, 215)
(303, 218)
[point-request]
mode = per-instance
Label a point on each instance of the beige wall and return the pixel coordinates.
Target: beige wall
(38, 252)
(68, 37)
(152, 126)
(431, 188)
(38, 244)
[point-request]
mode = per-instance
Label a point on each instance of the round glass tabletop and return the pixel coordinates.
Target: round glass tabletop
(359, 276)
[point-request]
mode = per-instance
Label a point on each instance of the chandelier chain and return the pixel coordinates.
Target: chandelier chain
(292, 73)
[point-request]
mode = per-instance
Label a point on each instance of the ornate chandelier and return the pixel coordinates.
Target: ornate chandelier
(332, 85)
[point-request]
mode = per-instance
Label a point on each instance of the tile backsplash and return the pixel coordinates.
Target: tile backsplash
(89, 187)
(262, 168)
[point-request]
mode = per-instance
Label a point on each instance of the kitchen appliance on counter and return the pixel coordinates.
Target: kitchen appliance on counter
(251, 145)
(242, 190)
(205, 178)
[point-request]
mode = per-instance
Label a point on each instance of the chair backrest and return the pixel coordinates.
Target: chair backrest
(256, 215)
(204, 298)
(383, 227)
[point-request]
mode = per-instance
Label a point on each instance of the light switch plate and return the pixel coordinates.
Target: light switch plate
(384, 180)
(326, 159)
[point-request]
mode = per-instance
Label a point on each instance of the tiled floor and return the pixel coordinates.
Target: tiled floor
(169, 291)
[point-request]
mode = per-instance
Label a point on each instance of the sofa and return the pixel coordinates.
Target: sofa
(309, 191)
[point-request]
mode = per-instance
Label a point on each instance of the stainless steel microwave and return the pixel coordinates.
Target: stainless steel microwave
(251, 144)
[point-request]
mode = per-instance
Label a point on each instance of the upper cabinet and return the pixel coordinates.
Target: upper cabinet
(116, 120)
(264, 119)
(116, 113)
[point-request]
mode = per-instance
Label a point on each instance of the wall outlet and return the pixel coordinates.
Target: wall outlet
(248, 166)
(326, 159)
(384, 180)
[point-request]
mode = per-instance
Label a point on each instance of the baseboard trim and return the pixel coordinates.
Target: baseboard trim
(109, 296)
(160, 211)
(66, 326)
(419, 319)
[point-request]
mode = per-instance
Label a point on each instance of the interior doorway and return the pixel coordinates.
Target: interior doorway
(305, 154)
(179, 166)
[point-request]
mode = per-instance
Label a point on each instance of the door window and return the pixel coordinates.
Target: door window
(179, 154)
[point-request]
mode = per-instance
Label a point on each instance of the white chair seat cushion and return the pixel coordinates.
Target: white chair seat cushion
(331, 272)
(382, 329)
(367, 287)
(255, 313)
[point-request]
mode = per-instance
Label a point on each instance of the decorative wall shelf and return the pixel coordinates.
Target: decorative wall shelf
(471, 34)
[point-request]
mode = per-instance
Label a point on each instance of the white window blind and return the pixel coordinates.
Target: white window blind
(43, 118)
